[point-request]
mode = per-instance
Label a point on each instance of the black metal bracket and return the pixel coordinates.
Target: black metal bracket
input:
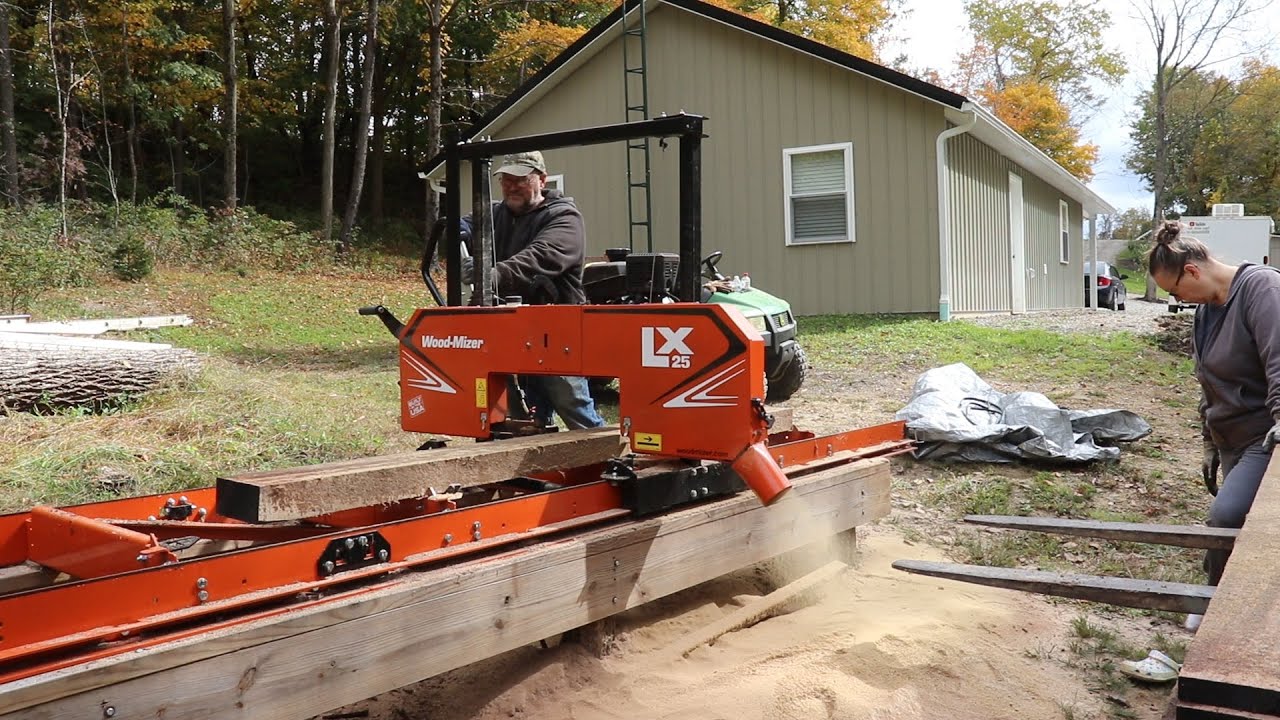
(658, 492)
(688, 128)
(354, 552)
(177, 509)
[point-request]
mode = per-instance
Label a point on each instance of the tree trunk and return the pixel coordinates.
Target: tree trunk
(177, 145)
(131, 133)
(45, 378)
(8, 125)
(1160, 175)
(435, 102)
(61, 106)
(377, 164)
(333, 48)
(231, 101)
(361, 152)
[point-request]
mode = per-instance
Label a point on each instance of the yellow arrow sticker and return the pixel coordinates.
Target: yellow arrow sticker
(648, 441)
(482, 393)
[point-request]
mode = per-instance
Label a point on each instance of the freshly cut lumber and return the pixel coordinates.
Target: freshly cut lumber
(303, 492)
(44, 341)
(784, 599)
(298, 664)
(1126, 592)
(1192, 536)
(1232, 662)
(97, 327)
(87, 377)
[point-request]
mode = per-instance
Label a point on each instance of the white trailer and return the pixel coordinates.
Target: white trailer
(1231, 237)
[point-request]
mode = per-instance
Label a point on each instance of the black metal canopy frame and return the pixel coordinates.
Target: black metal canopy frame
(688, 128)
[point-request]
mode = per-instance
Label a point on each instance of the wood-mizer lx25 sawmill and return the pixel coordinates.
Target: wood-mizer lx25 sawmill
(285, 593)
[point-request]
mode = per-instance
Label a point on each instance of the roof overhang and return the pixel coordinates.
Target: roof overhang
(1001, 138)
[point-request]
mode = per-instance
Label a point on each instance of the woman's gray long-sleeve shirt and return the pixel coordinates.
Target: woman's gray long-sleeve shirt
(1236, 347)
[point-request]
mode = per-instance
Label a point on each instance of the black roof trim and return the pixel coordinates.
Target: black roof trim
(742, 22)
(826, 52)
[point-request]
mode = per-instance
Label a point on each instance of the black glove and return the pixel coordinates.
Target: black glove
(1209, 467)
(468, 269)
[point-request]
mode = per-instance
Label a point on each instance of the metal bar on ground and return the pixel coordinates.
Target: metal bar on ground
(1126, 592)
(1189, 536)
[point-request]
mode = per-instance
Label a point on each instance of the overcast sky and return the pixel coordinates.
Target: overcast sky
(934, 32)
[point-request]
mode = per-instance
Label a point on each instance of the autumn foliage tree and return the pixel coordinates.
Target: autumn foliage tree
(1034, 63)
(854, 26)
(1034, 111)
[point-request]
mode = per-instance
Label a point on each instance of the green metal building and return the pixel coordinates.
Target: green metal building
(822, 171)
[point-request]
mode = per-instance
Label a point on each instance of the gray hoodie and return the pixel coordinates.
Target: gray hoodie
(549, 240)
(1236, 347)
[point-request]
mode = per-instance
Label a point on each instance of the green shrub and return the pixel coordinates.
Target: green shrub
(35, 257)
(128, 241)
(132, 260)
(1134, 255)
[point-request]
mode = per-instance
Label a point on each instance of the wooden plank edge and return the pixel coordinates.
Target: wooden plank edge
(1195, 689)
(1189, 536)
(1199, 711)
(312, 490)
(1125, 592)
(841, 498)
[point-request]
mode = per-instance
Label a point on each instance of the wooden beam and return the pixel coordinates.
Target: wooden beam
(306, 662)
(27, 341)
(1232, 662)
(1126, 592)
(784, 599)
(302, 492)
(1198, 711)
(96, 327)
(1191, 536)
(24, 577)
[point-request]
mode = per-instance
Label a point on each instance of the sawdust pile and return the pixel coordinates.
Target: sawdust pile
(882, 645)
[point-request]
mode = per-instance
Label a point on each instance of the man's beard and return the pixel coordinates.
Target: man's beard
(519, 205)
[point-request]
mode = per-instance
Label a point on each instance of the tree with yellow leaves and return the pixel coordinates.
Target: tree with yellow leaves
(854, 26)
(1033, 63)
(1034, 111)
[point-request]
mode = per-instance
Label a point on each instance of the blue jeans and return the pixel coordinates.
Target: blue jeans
(1242, 473)
(563, 395)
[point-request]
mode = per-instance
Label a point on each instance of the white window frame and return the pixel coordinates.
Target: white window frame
(555, 182)
(1064, 232)
(787, 153)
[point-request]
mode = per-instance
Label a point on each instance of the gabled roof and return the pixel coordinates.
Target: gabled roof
(989, 129)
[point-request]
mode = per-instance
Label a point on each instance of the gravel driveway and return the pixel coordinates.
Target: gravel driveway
(1139, 317)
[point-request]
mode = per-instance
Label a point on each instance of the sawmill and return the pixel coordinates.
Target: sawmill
(290, 592)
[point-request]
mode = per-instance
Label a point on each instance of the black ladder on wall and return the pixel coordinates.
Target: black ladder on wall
(636, 93)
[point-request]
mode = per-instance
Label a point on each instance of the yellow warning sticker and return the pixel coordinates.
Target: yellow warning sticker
(482, 393)
(648, 441)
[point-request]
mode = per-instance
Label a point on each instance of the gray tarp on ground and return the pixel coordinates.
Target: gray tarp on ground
(957, 416)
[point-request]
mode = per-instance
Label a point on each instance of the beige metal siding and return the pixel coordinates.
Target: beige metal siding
(760, 98)
(981, 273)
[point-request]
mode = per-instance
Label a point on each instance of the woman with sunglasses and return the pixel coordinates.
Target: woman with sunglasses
(1236, 348)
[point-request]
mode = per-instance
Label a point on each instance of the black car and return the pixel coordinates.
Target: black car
(1111, 291)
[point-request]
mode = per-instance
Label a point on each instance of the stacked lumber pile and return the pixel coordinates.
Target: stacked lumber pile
(47, 365)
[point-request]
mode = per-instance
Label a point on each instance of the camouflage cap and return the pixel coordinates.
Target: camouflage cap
(522, 164)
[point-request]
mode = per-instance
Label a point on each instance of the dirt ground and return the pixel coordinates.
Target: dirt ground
(881, 644)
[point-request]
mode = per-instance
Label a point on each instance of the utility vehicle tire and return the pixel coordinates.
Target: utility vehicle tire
(786, 385)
